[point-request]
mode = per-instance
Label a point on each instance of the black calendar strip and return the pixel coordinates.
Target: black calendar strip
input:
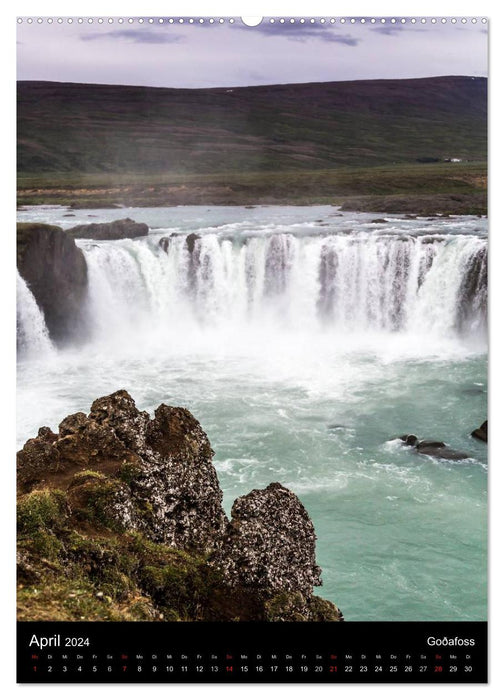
(379, 652)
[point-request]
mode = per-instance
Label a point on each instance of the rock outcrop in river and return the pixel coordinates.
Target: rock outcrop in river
(113, 230)
(120, 517)
(56, 272)
(434, 448)
(481, 433)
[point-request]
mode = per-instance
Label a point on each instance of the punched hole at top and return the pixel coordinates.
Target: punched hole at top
(251, 21)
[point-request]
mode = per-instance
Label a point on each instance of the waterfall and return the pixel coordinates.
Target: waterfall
(359, 282)
(32, 335)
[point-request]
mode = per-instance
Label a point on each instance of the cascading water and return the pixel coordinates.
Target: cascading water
(32, 335)
(304, 340)
(352, 283)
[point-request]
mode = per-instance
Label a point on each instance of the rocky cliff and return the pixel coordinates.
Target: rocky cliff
(120, 518)
(113, 230)
(56, 272)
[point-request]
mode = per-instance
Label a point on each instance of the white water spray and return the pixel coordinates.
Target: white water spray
(32, 334)
(342, 283)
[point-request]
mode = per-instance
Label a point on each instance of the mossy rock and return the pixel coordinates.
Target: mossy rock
(294, 607)
(80, 559)
(41, 510)
(286, 607)
(67, 599)
(104, 563)
(85, 476)
(128, 472)
(181, 588)
(100, 501)
(322, 610)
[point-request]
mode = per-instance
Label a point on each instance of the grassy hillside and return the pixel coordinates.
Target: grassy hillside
(419, 188)
(88, 145)
(66, 127)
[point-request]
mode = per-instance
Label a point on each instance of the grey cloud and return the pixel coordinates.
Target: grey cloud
(391, 29)
(302, 32)
(136, 36)
(388, 29)
(346, 39)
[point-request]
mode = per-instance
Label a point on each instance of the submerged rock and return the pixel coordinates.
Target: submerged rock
(481, 433)
(433, 448)
(410, 440)
(130, 505)
(56, 272)
(429, 444)
(440, 451)
(113, 230)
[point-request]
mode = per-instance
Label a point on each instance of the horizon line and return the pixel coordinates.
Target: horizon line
(237, 87)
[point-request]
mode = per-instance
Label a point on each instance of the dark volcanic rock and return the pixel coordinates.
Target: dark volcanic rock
(164, 243)
(56, 272)
(433, 448)
(270, 543)
(473, 292)
(429, 444)
(194, 254)
(122, 503)
(410, 440)
(191, 242)
(441, 452)
(122, 228)
(481, 433)
(164, 482)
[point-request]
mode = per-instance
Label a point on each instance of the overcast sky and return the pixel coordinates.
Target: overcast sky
(210, 55)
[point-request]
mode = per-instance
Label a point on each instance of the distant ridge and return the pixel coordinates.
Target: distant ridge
(72, 127)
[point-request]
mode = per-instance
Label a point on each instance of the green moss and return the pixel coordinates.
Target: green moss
(323, 610)
(143, 609)
(128, 472)
(41, 510)
(97, 498)
(62, 599)
(182, 585)
(76, 563)
(286, 606)
(79, 545)
(295, 607)
(110, 577)
(103, 562)
(85, 476)
(117, 585)
(46, 545)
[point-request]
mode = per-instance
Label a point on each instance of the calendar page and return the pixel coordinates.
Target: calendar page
(252, 349)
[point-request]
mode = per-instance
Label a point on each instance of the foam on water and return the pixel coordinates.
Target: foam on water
(33, 337)
(283, 322)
